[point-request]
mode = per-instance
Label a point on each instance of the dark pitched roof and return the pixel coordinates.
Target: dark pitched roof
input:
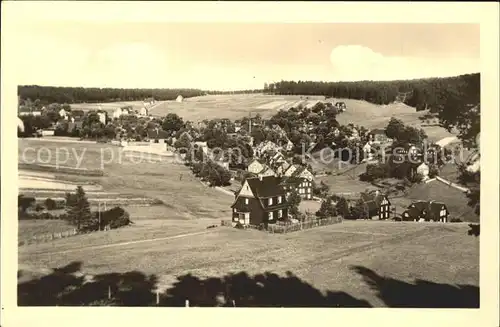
(77, 112)
(373, 197)
(291, 181)
(157, 134)
(299, 171)
(266, 187)
(429, 209)
(377, 131)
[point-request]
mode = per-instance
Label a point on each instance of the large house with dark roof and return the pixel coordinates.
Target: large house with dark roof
(426, 211)
(156, 135)
(260, 200)
(377, 205)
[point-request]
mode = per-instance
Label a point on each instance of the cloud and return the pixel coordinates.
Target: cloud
(356, 62)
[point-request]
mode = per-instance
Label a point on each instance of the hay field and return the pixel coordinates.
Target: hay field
(228, 106)
(364, 260)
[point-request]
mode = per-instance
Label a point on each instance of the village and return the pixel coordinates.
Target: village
(251, 154)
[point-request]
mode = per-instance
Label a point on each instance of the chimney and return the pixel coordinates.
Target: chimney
(260, 177)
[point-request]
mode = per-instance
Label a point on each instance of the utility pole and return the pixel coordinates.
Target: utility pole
(250, 123)
(99, 214)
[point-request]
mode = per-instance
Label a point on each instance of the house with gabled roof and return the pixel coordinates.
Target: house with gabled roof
(256, 166)
(426, 211)
(303, 172)
(302, 186)
(260, 200)
(378, 136)
(266, 146)
(157, 135)
(289, 172)
(281, 168)
(267, 171)
(376, 204)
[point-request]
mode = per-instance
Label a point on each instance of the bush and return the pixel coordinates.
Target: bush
(25, 202)
(455, 220)
(50, 204)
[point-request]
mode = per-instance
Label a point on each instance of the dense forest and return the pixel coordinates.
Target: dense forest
(419, 93)
(51, 94)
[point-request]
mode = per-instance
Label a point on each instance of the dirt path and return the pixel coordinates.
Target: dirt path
(97, 247)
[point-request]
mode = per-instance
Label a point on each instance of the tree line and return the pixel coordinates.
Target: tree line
(422, 94)
(53, 94)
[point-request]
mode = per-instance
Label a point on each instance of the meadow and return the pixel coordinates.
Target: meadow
(364, 260)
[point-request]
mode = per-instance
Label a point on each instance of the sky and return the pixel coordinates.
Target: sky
(232, 56)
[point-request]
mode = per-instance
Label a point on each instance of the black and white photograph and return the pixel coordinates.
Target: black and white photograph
(247, 164)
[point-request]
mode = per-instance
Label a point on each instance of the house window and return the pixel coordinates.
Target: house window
(270, 216)
(442, 212)
(246, 201)
(280, 214)
(270, 201)
(309, 190)
(234, 209)
(279, 199)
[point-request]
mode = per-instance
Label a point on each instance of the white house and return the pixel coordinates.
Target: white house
(117, 113)
(143, 111)
(367, 150)
(63, 114)
(180, 98)
(102, 117)
(423, 170)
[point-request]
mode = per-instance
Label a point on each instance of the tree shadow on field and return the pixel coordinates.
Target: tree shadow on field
(68, 286)
(261, 290)
(421, 294)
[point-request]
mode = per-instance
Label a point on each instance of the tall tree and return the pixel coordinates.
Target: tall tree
(78, 209)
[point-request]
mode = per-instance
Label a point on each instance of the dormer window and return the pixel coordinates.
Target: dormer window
(270, 201)
(279, 199)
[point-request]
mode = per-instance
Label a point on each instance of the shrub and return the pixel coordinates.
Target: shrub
(455, 220)
(25, 202)
(50, 204)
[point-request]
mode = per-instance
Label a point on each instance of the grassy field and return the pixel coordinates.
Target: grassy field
(365, 260)
(29, 228)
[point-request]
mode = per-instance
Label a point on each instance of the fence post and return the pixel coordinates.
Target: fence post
(187, 303)
(157, 297)
(109, 292)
